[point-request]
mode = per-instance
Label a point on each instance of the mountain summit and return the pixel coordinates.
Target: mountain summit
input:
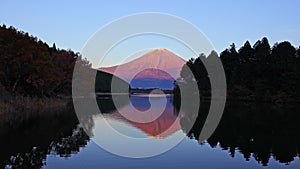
(155, 69)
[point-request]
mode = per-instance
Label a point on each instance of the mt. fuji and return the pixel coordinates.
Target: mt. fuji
(156, 69)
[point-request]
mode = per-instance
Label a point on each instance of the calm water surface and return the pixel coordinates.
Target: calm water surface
(249, 136)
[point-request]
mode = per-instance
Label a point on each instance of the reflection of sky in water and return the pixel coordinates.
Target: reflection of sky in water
(141, 130)
(125, 137)
(140, 103)
(187, 154)
(121, 126)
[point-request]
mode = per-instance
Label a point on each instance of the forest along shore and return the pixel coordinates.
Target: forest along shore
(259, 73)
(35, 77)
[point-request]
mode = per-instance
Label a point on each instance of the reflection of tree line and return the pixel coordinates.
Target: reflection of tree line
(27, 139)
(260, 131)
(85, 111)
(257, 131)
(26, 143)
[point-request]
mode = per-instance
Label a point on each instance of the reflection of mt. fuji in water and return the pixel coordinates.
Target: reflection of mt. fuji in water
(166, 124)
(157, 68)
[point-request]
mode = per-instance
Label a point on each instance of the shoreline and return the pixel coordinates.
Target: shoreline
(251, 99)
(18, 105)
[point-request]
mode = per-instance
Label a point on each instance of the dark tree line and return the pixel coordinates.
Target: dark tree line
(31, 67)
(260, 71)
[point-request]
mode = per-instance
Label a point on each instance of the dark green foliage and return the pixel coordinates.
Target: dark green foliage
(104, 82)
(195, 71)
(263, 72)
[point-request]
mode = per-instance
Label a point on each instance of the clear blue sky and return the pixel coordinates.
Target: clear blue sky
(70, 23)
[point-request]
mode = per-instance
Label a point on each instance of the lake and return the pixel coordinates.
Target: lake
(250, 135)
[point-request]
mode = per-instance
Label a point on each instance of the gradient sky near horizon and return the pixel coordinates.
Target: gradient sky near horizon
(70, 24)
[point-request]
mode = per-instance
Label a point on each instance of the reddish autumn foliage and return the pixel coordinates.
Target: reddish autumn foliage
(30, 67)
